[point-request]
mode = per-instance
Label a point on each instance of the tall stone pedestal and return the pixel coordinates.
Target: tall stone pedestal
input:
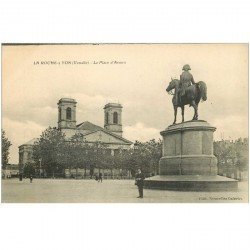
(188, 162)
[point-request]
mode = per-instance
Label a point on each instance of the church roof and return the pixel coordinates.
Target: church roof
(110, 133)
(88, 126)
(30, 142)
(92, 128)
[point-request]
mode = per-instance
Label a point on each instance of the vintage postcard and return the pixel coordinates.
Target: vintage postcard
(124, 123)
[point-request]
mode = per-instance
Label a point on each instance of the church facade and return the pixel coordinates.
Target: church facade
(110, 134)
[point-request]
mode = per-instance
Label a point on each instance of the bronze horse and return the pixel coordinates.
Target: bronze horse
(193, 95)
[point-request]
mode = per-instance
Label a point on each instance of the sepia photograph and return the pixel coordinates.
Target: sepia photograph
(125, 123)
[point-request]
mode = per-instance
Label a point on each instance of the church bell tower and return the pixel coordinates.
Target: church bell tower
(113, 118)
(66, 113)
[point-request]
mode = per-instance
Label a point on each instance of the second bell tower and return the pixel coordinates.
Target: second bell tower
(113, 118)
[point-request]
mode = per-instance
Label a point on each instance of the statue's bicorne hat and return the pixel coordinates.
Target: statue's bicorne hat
(186, 67)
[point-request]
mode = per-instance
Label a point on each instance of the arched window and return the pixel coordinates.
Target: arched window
(115, 118)
(107, 118)
(68, 113)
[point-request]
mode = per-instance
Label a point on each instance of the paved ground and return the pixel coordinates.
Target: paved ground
(121, 191)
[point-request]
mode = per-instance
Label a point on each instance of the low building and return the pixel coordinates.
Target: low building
(11, 170)
(26, 153)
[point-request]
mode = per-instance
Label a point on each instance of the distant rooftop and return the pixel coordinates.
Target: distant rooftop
(30, 142)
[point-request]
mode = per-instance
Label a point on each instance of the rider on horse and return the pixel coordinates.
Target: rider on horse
(187, 92)
(186, 80)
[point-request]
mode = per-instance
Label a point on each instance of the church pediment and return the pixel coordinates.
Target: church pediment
(88, 126)
(105, 137)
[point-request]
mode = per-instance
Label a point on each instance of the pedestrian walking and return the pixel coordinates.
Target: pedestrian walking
(96, 177)
(139, 180)
(100, 177)
(31, 178)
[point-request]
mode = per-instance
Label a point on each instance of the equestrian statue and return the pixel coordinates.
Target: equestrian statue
(186, 92)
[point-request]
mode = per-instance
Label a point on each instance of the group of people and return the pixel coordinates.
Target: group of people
(139, 180)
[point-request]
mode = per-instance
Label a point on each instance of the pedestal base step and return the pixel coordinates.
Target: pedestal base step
(191, 183)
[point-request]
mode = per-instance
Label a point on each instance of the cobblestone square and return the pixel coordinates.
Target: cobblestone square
(109, 191)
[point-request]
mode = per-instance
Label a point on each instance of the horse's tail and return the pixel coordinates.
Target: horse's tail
(203, 90)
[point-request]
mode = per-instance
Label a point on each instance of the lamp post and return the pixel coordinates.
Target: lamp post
(40, 167)
(136, 147)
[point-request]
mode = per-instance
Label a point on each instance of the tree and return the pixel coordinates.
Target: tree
(99, 155)
(124, 160)
(29, 169)
(77, 149)
(5, 149)
(129, 161)
(146, 155)
(118, 159)
(155, 148)
(232, 156)
(242, 154)
(50, 148)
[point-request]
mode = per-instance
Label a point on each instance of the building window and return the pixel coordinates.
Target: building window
(29, 156)
(20, 158)
(116, 152)
(106, 118)
(68, 113)
(115, 118)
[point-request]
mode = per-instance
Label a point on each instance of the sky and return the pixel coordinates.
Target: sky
(134, 75)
